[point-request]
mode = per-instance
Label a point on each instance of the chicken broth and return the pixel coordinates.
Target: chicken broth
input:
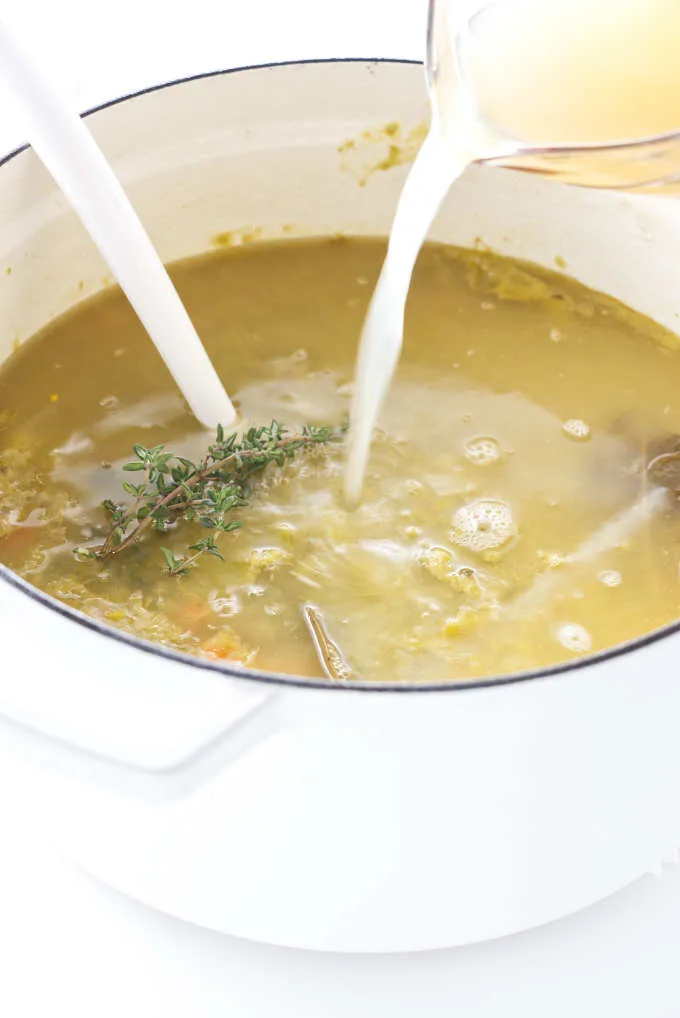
(524, 415)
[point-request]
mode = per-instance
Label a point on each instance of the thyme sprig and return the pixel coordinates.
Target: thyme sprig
(175, 489)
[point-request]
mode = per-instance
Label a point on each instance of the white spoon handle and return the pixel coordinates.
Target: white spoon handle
(69, 152)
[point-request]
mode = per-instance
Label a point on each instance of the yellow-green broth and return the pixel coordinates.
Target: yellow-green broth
(498, 358)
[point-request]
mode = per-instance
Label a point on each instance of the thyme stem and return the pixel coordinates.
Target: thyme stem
(208, 492)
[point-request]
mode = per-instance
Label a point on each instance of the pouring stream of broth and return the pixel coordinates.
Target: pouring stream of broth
(553, 86)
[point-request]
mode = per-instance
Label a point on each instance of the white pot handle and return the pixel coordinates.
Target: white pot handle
(105, 710)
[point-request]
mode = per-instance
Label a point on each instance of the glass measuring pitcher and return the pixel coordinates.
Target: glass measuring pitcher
(586, 91)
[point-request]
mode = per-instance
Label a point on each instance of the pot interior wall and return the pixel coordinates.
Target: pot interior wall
(297, 150)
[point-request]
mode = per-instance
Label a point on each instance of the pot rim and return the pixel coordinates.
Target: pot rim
(273, 678)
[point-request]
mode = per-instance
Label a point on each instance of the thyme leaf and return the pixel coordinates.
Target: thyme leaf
(175, 489)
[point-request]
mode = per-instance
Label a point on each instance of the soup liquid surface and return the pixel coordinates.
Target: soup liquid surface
(522, 415)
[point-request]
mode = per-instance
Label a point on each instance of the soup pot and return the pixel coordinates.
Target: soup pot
(350, 818)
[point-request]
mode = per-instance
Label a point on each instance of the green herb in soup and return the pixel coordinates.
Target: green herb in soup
(176, 489)
(527, 414)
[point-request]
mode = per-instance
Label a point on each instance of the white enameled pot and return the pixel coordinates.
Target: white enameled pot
(383, 819)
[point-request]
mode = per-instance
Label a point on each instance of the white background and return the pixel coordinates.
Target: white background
(70, 946)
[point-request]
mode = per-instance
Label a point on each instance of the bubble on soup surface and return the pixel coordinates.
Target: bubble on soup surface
(482, 451)
(483, 526)
(574, 637)
(576, 430)
(610, 578)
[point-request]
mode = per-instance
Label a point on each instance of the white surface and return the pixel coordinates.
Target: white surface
(69, 945)
(99, 52)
